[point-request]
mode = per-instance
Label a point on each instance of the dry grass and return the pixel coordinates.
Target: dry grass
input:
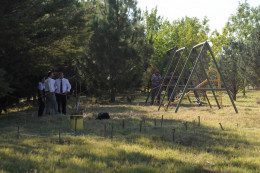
(206, 148)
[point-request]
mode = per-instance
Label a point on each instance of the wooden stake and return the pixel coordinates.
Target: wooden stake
(18, 132)
(112, 127)
(199, 121)
(162, 121)
(75, 130)
(194, 126)
(221, 126)
(144, 124)
(76, 89)
(173, 132)
(59, 137)
(186, 125)
(105, 130)
(140, 130)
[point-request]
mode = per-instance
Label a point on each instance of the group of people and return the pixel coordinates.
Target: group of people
(54, 92)
(156, 82)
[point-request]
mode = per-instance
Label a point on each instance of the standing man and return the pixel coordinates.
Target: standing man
(50, 93)
(63, 88)
(156, 81)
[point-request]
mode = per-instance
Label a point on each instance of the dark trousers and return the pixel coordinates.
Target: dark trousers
(154, 93)
(62, 103)
(41, 107)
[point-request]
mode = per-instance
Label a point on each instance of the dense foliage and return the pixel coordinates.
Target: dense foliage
(163, 35)
(237, 48)
(117, 53)
(37, 36)
(108, 47)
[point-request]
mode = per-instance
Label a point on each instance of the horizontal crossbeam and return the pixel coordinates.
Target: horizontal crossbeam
(198, 45)
(207, 89)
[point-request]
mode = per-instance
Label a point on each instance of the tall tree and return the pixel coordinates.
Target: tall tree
(229, 65)
(250, 63)
(163, 34)
(237, 33)
(4, 87)
(37, 36)
(116, 56)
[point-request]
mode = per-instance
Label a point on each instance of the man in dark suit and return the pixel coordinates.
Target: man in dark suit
(63, 88)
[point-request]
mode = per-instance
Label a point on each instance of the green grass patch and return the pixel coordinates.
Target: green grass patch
(204, 148)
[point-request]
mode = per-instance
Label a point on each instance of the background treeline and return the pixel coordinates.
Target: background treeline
(107, 47)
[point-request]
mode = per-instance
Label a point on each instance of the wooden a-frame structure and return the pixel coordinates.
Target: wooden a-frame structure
(196, 62)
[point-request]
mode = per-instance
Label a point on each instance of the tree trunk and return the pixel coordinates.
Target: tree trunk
(112, 96)
(244, 87)
(234, 91)
(235, 96)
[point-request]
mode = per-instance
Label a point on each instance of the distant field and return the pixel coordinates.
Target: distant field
(204, 148)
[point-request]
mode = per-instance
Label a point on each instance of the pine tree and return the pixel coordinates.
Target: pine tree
(37, 36)
(115, 58)
(4, 87)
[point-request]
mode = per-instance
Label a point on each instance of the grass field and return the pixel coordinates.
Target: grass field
(204, 148)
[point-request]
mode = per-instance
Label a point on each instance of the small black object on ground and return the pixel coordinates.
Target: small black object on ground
(103, 115)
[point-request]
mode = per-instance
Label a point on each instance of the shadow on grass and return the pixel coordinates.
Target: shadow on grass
(119, 160)
(223, 144)
(203, 139)
(15, 164)
(115, 160)
(15, 158)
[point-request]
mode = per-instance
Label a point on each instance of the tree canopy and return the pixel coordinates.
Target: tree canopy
(236, 47)
(111, 46)
(37, 36)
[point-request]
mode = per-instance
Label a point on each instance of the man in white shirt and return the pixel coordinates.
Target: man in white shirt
(50, 89)
(63, 88)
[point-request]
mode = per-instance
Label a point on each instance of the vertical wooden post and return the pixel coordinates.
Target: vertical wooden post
(112, 128)
(144, 124)
(162, 121)
(173, 132)
(140, 130)
(76, 88)
(105, 130)
(186, 125)
(75, 130)
(18, 132)
(244, 88)
(194, 126)
(221, 126)
(199, 121)
(59, 137)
